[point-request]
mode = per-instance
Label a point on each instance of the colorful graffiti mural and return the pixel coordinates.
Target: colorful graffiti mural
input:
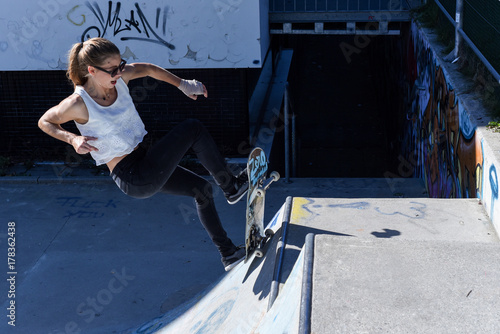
(440, 141)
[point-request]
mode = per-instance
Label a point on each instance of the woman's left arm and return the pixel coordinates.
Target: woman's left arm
(191, 88)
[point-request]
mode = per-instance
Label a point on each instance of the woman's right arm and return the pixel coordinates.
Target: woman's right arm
(70, 109)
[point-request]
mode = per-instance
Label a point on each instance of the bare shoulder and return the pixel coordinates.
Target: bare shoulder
(135, 70)
(72, 108)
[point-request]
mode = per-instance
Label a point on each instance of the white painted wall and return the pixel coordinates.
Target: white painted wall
(37, 34)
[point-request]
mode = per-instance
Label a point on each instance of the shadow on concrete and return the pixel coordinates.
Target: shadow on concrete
(295, 240)
(387, 234)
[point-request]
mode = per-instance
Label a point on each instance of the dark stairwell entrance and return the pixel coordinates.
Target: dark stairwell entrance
(347, 104)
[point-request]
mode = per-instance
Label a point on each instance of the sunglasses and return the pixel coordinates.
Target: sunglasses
(115, 71)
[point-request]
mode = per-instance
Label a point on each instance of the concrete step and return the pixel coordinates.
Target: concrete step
(398, 265)
(425, 219)
(397, 218)
(410, 286)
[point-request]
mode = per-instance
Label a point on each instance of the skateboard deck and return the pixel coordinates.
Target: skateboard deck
(255, 236)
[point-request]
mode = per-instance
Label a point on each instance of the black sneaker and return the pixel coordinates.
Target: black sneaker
(229, 262)
(241, 186)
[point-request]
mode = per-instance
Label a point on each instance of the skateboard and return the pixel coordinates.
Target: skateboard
(258, 183)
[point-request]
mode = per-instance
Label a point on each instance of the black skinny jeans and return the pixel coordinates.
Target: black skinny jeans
(144, 173)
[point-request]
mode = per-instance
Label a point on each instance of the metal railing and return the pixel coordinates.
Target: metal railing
(460, 35)
(290, 140)
(280, 6)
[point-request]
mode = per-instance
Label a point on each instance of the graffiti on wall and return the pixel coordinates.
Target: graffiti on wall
(440, 139)
(37, 34)
(121, 23)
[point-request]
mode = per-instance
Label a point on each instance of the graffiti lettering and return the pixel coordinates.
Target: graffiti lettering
(130, 24)
(494, 188)
(71, 20)
(78, 202)
(85, 209)
(84, 214)
(418, 211)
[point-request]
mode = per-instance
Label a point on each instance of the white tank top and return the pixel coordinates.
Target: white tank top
(118, 127)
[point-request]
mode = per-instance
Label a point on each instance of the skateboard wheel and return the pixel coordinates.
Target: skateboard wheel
(275, 175)
(260, 192)
(269, 233)
(259, 253)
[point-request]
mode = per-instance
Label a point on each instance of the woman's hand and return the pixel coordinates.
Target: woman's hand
(193, 88)
(81, 145)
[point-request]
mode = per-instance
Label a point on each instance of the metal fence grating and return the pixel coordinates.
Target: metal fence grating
(450, 6)
(482, 25)
(26, 95)
(280, 6)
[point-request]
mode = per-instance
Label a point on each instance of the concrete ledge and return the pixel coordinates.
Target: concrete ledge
(56, 172)
(362, 286)
(54, 180)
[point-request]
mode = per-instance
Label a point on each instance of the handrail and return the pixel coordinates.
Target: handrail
(287, 135)
(457, 23)
(287, 115)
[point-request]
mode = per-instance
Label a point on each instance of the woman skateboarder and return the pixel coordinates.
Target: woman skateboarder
(112, 132)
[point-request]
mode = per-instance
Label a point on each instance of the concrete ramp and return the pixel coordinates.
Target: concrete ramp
(239, 302)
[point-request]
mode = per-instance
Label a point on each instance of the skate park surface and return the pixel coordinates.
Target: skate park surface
(380, 258)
